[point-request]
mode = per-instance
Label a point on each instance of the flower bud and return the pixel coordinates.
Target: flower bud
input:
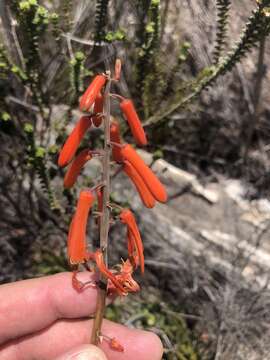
(91, 93)
(77, 247)
(146, 196)
(134, 122)
(75, 168)
(73, 141)
(150, 179)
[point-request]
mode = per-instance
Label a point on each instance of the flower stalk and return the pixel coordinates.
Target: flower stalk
(105, 216)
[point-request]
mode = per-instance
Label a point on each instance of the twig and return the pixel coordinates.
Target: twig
(222, 326)
(179, 315)
(164, 18)
(160, 264)
(134, 318)
(105, 217)
(83, 41)
(22, 103)
(167, 342)
(257, 98)
(13, 24)
(245, 88)
(70, 50)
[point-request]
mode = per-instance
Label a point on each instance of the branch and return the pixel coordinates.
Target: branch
(223, 7)
(257, 99)
(257, 28)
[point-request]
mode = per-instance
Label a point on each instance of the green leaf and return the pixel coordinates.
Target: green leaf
(5, 116)
(26, 5)
(116, 35)
(18, 71)
(53, 149)
(54, 16)
(151, 320)
(266, 11)
(79, 55)
(28, 128)
(150, 27)
(158, 154)
(40, 152)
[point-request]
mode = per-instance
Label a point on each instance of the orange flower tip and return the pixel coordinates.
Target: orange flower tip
(77, 284)
(165, 198)
(76, 167)
(62, 160)
(86, 195)
(115, 345)
(91, 93)
(134, 121)
(150, 179)
(62, 163)
(146, 196)
(73, 141)
(124, 215)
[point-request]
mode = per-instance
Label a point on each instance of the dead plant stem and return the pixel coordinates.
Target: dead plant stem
(254, 120)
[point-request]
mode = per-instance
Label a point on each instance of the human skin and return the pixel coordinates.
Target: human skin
(45, 317)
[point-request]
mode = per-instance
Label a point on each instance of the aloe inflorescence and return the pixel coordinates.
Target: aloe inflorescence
(95, 103)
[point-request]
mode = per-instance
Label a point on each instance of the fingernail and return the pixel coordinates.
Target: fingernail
(92, 353)
(87, 355)
(84, 352)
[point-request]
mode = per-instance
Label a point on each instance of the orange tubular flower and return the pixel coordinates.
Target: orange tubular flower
(115, 345)
(77, 252)
(146, 196)
(134, 236)
(98, 109)
(150, 179)
(92, 92)
(106, 272)
(116, 138)
(73, 141)
(134, 122)
(75, 168)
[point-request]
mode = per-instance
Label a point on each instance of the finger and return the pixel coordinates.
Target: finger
(31, 305)
(65, 335)
(84, 352)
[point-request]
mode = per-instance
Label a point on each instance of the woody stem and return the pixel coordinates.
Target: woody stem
(105, 217)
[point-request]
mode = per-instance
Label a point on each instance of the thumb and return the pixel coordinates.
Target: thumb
(84, 352)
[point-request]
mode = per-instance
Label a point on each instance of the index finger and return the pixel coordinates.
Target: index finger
(31, 305)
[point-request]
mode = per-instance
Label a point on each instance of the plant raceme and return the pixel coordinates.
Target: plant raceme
(119, 282)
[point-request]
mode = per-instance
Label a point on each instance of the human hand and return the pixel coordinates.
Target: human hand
(45, 318)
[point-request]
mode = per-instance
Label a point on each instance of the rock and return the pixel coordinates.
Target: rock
(210, 223)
